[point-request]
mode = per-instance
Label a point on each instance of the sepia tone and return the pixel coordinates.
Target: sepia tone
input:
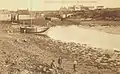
(59, 37)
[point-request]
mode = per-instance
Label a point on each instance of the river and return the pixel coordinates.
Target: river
(91, 37)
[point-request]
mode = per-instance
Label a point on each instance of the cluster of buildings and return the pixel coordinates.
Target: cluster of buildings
(80, 8)
(6, 15)
(64, 11)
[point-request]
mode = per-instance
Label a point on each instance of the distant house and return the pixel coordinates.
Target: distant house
(74, 8)
(80, 8)
(77, 7)
(84, 8)
(100, 7)
(5, 15)
(63, 15)
(24, 15)
(42, 15)
(91, 7)
(63, 9)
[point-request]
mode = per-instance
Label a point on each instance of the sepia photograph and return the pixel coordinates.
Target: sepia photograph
(59, 36)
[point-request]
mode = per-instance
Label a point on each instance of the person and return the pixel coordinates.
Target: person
(53, 67)
(74, 65)
(59, 62)
(53, 64)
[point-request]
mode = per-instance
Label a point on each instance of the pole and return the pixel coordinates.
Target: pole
(31, 12)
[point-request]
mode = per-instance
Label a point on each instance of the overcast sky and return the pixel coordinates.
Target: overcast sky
(54, 4)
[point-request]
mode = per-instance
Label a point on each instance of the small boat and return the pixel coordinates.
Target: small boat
(33, 29)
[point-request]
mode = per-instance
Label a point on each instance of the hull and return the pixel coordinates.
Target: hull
(33, 29)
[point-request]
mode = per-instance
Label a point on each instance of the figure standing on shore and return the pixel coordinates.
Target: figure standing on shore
(74, 65)
(59, 62)
(53, 67)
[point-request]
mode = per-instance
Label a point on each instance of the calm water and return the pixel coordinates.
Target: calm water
(85, 36)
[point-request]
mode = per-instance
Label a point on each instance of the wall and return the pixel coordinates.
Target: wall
(5, 17)
(25, 17)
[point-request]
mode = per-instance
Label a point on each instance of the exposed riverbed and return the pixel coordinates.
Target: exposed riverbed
(91, 37)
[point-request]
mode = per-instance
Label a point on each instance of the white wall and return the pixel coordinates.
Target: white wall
(5, 17)
(63, 15)
(24, 17)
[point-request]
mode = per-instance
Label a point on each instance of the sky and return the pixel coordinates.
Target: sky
(40, 5)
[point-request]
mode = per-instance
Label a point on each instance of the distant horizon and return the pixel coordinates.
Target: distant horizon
(52, 5)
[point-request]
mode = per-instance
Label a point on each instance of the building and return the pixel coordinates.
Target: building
(80, 8)
(84, 8)
(100, 7)
(24, 15)
(62, 9)
(77, 7)
(74, 8)
(5, 15)
(91, 7)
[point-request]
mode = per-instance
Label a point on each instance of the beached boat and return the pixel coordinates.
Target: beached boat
(33, 29)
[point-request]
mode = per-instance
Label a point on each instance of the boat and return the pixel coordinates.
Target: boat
(32, 29)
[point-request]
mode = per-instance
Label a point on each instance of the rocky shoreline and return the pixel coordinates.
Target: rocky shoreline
(89, 56)
(26, 53)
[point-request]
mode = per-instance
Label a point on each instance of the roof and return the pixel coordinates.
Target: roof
(100, 6)
(4, 12)
(23, 12)
(90, 6)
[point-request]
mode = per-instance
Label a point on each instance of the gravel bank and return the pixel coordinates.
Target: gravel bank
(21, 53)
